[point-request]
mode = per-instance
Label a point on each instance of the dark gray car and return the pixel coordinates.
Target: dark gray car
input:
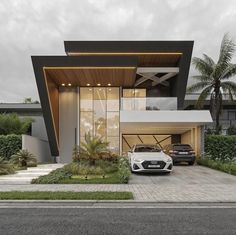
(181, 153)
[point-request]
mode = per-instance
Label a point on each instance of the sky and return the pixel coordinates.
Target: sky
(39, 27)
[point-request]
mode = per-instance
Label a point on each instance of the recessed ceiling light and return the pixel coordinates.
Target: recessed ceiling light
(88, 84)
(69, 84)
(109, 84)
(63, 84)
(98, 84)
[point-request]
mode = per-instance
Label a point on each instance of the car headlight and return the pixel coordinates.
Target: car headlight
(137, 160)
(169, 160)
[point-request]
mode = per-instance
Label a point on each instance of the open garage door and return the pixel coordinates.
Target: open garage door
(128, 140)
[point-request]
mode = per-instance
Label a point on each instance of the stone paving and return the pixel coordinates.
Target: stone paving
(25, 176)
(184, 184)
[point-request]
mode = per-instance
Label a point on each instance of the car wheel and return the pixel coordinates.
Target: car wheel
(191, 163)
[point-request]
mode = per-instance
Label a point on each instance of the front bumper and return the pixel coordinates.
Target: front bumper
(141, 167)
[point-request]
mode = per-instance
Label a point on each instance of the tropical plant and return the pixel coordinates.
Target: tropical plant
(22, 157)
(75, 153)
(214, 78)
(5, 167)
(93, 148)
(12, 124)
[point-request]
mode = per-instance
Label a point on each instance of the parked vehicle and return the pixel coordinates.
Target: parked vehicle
(181, 153)
(149, 158)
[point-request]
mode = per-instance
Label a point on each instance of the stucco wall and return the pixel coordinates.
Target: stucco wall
(38, 147)
(67, 123)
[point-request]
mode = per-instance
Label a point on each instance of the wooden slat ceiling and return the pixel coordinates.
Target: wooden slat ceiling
(79, 76)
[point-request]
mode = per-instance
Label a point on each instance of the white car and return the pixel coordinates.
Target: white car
(151, 158)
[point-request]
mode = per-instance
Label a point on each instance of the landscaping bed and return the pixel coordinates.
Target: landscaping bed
(102, 172)
(227, 167)
(69, 195)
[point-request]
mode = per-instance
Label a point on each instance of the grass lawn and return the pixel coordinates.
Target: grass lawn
(69, 195)
(92, 179)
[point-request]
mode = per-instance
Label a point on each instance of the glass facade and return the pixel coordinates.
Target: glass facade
(99, 114)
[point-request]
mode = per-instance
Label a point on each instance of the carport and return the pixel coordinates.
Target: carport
(163, 127)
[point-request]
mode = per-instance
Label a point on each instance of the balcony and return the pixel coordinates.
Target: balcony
(149, 103)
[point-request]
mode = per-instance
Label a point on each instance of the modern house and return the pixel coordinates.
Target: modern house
(127, 92)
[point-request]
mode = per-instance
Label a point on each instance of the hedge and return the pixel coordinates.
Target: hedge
(221, 148)
(9, 145)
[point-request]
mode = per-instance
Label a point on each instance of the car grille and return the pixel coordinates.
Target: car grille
(147, 164)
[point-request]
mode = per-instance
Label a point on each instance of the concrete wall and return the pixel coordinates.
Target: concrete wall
(38, 128)
(67, 122)
(40, 148)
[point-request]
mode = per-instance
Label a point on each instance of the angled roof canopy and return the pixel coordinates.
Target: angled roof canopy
(105, 62)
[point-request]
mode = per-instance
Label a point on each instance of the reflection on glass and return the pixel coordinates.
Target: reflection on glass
(86, 99)
(113, 124)
(113, 144)
(86, 123)
(113, 99)
(99, 114)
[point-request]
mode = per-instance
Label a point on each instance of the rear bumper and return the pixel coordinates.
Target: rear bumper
(185, 158)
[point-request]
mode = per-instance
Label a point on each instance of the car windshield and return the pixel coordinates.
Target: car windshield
(147, 149)
(182, 147)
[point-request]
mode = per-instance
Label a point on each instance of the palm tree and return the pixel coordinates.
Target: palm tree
(93, 148)
(5, 167)
(22, 158)
(214, 78)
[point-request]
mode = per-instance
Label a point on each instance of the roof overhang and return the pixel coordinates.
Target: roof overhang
(105, 62)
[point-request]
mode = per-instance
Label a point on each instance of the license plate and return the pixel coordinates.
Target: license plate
(183, 152)
(153, 166)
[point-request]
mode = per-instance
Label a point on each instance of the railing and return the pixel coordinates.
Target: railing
(149, 103)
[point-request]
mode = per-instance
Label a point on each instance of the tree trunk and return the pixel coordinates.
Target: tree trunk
(218, 100)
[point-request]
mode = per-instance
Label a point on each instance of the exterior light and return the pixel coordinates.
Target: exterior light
(63, 84)
(88, 84)
(109, 84)
(98, 84)
(69, 84)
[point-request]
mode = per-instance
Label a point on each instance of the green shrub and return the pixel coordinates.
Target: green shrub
(5, 167)
(53, 177)
(221, 148)
(9, 145)
(123, 169)
(13, 124)
(73, 168)
(228, 167)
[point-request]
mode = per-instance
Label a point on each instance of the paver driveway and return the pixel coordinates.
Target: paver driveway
(184, 184)
(184, 175)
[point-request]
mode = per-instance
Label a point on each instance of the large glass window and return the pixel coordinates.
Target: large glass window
(99, 114)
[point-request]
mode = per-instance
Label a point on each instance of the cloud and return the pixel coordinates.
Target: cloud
(32, 27)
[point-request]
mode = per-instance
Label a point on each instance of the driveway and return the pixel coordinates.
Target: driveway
(184, 175)
(184, 184)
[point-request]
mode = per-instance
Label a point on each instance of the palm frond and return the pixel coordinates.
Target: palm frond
(202, 66)
(229, 71)
(203, 78)
(209, 60)
(226, 51)
(198, 86)
(203, 96)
